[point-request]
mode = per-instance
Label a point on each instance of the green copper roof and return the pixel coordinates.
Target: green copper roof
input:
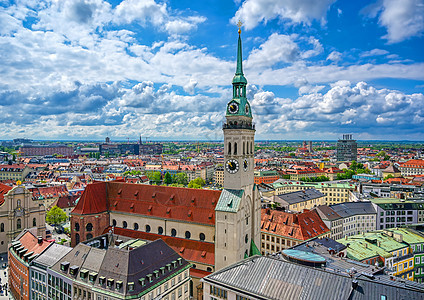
(254, 249)
(229, 200)
(315, 185)
(239, 77)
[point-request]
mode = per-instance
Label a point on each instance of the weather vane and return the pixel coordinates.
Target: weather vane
(239, 24)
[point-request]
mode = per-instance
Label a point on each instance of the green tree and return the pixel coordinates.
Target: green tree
(196, 183)
(55, 216)
(156, 177)
(167, 179)
(181, 178)
(388, 176)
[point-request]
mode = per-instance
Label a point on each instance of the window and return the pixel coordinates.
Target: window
(89, 227)
(148, 228)
(173, 232)
(77, 238)
(34, 222)
(187, 234)
(18, 224)
(202, 236)
(77, 227)
(124, 224)
(160, 230)
(2, 227)
(135, 226)
(89, 236)
(114, 222)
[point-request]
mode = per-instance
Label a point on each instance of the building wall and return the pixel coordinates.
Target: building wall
(18, 212)
(79, 224)
(18, 276)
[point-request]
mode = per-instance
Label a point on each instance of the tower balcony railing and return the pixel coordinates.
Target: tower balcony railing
(238, 126)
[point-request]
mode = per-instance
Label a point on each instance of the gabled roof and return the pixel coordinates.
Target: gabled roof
(348, 209)
(327, 213)
(30, 242)
(4, 189)
(189, 205)
(190, 250)
(93, 200)
(299, 226)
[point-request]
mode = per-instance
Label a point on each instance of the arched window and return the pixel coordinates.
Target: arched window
(2, 227)
(209, 269)
(246, 238)
(247, 147)
(173, 232)
(77, 227)
(135, 226)
(148, 228)
(229, 148)
(89, 227)
(160, 230)
(77, 238)
(235, 148)
(18, 224)
(187, 234)
(251, 148)
(202, 236)
(244, 152)
(34, 222)
(124, 224)
(113, 222)
(89, 236)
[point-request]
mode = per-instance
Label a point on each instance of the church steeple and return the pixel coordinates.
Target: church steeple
(239, 106)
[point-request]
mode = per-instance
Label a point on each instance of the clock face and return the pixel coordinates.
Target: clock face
(246, 108)
(233, 108)
(245, 165)
(232, 166)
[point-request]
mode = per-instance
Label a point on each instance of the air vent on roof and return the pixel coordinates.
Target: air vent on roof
(193, 199)
(150, 208)
(203, 253)
(153, 195)
(136, 193)
(132, 206)
(119, 191)
(172, 197)
(115, 203)
(168, 211)
(210, 216)
(189, 213)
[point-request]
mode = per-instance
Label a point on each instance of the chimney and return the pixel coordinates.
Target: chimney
(354, 284)
(40, 239)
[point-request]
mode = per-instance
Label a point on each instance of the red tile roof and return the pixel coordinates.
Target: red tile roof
(190, 250)
(93, 200)
(300, 226)
(151, 200)
(4, 189)
(30, 242)
(413, 163)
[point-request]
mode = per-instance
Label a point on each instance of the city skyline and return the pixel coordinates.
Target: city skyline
(84, 70)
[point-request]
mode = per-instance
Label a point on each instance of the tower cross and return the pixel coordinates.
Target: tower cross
(239, 24)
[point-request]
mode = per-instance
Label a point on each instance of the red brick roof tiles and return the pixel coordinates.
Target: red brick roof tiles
(191, 250)
(4, 189)
(300, 226)
(93, 200)
(30, 242)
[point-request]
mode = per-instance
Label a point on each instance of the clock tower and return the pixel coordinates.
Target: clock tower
(238, 209)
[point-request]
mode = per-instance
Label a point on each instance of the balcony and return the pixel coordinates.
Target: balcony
(403, 257)
(238, 126)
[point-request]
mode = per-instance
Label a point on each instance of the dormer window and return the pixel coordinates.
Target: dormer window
(119, 284)
(142, 281)
(83, 274)
(73, 270)
(92, 276)
(102, 280)
(130, 286)
(64, 266)
(110, 282)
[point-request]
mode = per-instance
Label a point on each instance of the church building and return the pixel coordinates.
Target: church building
(211, 229)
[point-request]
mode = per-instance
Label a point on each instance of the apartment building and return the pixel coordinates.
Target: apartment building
(412, 167)
(281, 230)
(112, 267)
(335, 192)
(332, 220)
(392, 212)
(300, 200)
(357, 217)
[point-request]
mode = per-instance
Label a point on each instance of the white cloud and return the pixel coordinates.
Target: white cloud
(374, 52)
(142, 11)
(278, 48)
(402, 19)
(253, 12)
(334, 56)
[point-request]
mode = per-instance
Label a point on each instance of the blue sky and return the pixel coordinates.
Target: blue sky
(87, 69)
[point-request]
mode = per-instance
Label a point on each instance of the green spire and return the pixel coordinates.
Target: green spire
(239, 70)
